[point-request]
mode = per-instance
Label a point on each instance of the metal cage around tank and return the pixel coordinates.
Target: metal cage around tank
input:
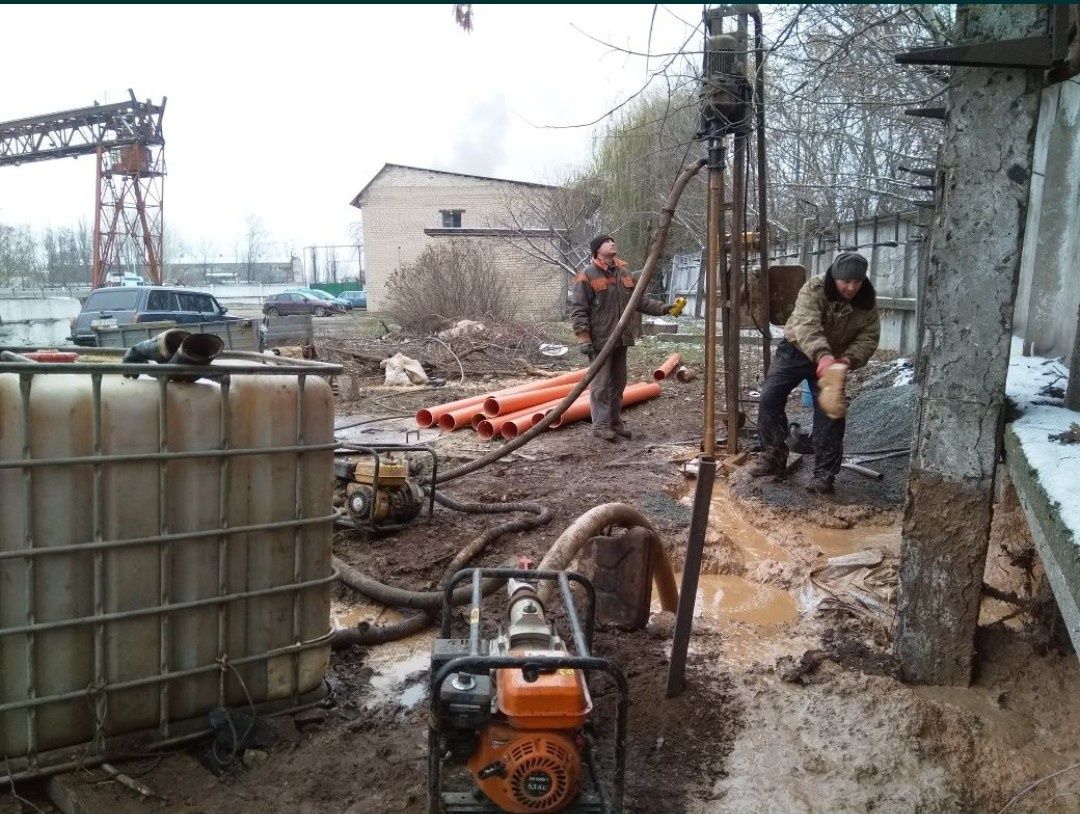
(272, 619)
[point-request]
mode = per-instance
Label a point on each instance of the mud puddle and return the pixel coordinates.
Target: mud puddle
(836, 542)
(399, 669)
(352, 429)
(729, 597)
(344, 615)
(399, 675)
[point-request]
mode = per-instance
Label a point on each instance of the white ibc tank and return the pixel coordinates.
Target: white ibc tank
(164, 550)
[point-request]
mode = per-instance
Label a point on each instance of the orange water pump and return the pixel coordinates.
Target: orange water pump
(516, 708)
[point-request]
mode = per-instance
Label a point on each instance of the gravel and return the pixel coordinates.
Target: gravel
(880, 419)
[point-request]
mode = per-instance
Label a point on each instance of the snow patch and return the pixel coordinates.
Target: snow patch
(1036, 385)
(1034, 380)
(1057, 465)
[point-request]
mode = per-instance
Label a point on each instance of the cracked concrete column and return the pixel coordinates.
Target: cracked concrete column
(967, 321)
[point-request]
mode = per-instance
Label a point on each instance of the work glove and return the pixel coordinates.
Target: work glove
(827, 361)
(586, 349)
(832, 388)
(675, 308)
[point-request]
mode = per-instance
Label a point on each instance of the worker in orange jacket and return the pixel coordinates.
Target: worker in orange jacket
(600, 293)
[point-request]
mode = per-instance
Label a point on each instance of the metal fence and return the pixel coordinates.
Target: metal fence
(895, 246)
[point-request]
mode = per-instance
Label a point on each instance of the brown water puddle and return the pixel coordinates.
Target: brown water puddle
(729, 597)
(835, 542)
(344, 615)
(395, 679)
(725, 519)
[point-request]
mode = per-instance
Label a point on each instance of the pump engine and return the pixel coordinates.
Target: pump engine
(515, 709)
(379, 484)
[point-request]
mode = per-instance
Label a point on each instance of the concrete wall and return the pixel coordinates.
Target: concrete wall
(1049, 291)
(402, 202)
(33, 321)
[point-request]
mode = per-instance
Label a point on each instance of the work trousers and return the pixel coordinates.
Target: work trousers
(605, 397)
(789, 367)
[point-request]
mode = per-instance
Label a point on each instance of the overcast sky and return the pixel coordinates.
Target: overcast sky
(286, 112)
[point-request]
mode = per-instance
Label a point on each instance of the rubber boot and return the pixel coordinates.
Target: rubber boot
(605, 433)
(771, 463)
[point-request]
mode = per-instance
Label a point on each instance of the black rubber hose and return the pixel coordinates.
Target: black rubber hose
(428, 602)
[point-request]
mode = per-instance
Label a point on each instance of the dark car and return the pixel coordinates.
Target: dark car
(128, 305)
(296, 302)
(326, 296)
(358, 299)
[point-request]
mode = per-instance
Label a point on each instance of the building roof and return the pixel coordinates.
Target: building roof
(357, 200)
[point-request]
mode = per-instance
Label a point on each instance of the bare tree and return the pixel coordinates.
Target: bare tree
(19, 264)
(253, 249)
(552, 224)
(67, 254)
(837, 134)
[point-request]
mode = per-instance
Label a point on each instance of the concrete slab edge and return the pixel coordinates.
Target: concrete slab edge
(1053, 539)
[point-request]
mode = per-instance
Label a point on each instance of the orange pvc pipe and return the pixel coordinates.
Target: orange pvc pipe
(461, 417)
(582, 399)
(666, 367)
(429, 416)
(488, 428)
(512, 403)
(642, 391)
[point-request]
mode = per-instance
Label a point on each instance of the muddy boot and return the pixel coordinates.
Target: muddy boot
(820, 485)
(608, 434)
(622, 430)
(771, 463)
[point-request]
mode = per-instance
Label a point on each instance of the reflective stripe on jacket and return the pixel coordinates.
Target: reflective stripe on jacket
(824, 323)
(598, 297)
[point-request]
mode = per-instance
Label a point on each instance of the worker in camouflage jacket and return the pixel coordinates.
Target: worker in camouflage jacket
(600, 293)
(835, 323)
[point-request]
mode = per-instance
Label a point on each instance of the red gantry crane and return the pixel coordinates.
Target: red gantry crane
(129, 144)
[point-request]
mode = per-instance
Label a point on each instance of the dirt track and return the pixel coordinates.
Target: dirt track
(761, 727)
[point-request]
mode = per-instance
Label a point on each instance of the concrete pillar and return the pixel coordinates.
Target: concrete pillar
(1054, 294)
(966, 321)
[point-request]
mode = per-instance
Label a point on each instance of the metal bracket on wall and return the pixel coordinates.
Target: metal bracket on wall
(1041, 51)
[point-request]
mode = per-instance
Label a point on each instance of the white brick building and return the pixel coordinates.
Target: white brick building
(403, 209)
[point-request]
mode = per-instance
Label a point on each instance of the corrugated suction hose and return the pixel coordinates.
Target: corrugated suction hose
(428, 602)
(592, 523)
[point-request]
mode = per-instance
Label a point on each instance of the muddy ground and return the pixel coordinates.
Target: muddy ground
(793, 701)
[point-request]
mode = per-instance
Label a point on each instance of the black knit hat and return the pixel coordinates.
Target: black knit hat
(597, 242)
(849, 266)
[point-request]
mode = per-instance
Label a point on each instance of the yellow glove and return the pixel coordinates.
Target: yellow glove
(677, 307)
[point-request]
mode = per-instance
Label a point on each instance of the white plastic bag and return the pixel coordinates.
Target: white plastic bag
(401, 371)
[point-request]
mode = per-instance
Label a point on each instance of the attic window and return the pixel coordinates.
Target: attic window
(451, 218)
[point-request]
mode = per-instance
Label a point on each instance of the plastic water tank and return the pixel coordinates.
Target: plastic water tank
(164, 549)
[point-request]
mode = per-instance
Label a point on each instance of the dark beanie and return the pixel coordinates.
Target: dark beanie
(849, 266)
(597, 242)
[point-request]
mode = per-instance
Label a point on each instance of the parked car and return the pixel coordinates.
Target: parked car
(127, 305)
(326, 296)
(299, 302)
(358, 299)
